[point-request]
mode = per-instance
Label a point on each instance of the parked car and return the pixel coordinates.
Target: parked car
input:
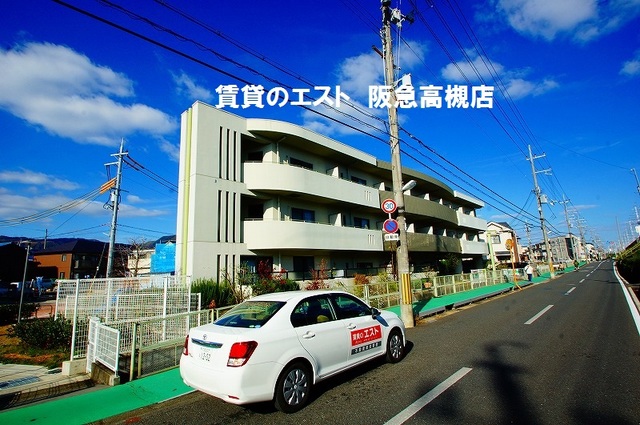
(275, 347)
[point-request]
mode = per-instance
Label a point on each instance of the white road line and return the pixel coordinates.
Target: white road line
(570, 291)
(415, 407)
(537, 316)
(581, 281)
(635, 314)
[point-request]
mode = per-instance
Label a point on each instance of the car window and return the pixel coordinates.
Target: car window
(347, 307)
(311, 311)
(250, 314)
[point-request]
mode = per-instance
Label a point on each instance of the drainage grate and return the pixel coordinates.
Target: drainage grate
(20, 381)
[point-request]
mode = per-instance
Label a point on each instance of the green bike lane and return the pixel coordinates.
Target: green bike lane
(91, 406)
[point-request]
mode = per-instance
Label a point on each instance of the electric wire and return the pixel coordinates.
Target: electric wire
(202, 62)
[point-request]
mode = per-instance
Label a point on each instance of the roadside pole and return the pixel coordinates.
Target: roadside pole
(402, 251)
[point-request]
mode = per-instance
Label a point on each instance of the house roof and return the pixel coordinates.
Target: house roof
(76, 246)
(502, 224)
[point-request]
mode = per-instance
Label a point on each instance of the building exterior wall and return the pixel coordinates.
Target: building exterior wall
(255, 188)
(63, 263)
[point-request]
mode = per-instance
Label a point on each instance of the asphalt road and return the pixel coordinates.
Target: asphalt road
(563, 352)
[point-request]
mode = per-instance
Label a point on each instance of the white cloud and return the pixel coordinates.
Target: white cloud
(15, 206)
(355, 75)
(62, 91)
(170, 149)
(631, 68)
(458, 71)
(134, 199)
(29, 177)
(514, 82)
(518, 88)
(583, 20)
(186, 86)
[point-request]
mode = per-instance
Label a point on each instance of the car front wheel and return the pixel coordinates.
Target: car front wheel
(293, 388)
(395, 346)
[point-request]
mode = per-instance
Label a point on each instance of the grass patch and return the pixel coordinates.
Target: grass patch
(13, 351)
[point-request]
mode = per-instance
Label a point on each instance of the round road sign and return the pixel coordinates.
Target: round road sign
(389, 205)
(390, 225)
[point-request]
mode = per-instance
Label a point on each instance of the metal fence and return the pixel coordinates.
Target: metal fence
(137, 326)
(451, 284)
(120, 299)
(103, 345)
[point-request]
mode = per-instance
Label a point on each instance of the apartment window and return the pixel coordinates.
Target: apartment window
(360, 222)
(62, 275)
(64, 257)
(255, 156)
(358, 180)
(495, 239)
(299, 214)
(300, 163)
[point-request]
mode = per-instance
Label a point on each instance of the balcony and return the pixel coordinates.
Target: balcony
(474, 247)
(471, 222)
(422, 242)
(281, 235)
(288, 179)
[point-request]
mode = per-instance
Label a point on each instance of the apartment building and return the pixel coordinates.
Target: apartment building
(255, 190)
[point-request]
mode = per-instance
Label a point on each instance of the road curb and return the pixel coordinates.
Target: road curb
(46, 387)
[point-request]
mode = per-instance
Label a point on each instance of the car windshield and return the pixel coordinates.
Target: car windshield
(250, 314)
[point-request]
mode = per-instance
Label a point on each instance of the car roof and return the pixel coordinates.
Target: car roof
(293, 295)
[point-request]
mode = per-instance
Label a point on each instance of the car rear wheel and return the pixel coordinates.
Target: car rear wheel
(395, 346)
(293, 388)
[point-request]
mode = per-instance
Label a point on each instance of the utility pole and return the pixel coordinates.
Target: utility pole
(527, 227)
(542, 225)
(402, 251)
(115, 201)
(24, 279)
(564, 203)
(633, 170)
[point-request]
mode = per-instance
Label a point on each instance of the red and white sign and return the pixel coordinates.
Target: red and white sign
(362, 336)
(389, 206)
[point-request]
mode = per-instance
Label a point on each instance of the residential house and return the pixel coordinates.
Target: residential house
(503, 244)
(79, 258)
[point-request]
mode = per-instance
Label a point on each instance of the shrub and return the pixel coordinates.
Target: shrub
(629, 267)
(46, 333)
(9, 312)
(318, 277)
(213, 294)
(267, 281)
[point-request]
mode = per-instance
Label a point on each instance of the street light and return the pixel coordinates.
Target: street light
(24, 278)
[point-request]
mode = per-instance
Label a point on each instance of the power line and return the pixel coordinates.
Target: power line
(202, 47)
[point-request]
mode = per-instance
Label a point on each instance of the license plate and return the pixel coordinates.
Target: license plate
(205, 354)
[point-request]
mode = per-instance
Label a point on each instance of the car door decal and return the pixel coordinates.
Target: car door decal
(366, 339)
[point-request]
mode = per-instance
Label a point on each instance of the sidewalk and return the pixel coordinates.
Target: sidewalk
(93, 406)
(447, 302)
(32, 383)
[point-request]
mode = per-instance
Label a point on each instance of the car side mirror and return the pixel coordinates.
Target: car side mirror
(375, 312)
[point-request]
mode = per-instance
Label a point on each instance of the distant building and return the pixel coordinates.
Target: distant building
(157, 257)
(79, 258)
(503, 243)
(255, 190)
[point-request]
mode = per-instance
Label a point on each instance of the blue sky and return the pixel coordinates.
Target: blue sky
(566, 77)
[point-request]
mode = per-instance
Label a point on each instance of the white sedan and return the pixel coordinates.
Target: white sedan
(277, 346)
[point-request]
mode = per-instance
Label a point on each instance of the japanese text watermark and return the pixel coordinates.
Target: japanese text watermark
(431, 96)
